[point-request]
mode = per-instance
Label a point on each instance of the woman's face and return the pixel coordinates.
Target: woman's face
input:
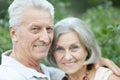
(70, 53)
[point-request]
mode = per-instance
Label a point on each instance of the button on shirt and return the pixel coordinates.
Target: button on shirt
(11, 69)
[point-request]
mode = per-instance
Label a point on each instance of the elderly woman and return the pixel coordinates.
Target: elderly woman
(75, 51)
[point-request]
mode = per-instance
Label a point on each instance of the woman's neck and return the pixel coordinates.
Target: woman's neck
(83, 74)
(78, 75)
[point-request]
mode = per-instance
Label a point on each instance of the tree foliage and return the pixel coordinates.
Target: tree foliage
(105, 23)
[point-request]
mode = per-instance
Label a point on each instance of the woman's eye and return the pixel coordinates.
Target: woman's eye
(59, 49)
(74, 48)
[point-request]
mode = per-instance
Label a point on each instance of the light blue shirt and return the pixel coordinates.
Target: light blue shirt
(10, 69)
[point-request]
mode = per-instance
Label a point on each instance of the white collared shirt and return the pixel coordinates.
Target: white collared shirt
(11, 69)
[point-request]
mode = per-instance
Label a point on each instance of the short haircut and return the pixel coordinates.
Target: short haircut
(16, 9)
(84, 33)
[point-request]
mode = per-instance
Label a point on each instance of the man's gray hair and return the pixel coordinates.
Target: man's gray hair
(16, 9)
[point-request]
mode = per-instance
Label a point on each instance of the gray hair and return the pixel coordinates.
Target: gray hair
(84, 33)
(16, 9)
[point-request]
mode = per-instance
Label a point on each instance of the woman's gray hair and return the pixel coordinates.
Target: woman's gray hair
(16, 9)
(84, 33)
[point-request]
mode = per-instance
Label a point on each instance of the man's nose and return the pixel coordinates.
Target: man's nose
(44, 36)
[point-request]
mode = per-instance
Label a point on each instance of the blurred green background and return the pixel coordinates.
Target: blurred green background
(103, 17)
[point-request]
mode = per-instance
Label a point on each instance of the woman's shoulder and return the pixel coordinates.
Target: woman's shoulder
(113, 77)
(103, 73)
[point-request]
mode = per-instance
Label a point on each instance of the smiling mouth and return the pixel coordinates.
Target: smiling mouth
(69, 63)
(41, 47)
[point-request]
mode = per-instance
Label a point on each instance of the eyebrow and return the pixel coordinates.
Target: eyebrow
(50, 26)
(71, 44)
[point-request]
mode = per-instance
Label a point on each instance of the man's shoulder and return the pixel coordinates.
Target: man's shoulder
(5, 69)
(7, 73)
(51, 68)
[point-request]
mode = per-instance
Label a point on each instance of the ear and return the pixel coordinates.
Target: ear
(13, 33)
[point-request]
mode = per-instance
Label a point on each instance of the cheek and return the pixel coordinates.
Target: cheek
(81, 56)
(57, 57)
(51, 37)
(26, 39)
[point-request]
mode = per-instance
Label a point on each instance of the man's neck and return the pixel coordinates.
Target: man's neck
(27, 62)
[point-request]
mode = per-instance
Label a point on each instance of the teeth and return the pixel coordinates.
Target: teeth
(69, 63)
(39, 46)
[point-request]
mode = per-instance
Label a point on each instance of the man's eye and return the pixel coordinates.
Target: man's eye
(49, 30)
(35, 29)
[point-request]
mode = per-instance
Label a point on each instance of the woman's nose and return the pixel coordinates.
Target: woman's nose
(67, 55)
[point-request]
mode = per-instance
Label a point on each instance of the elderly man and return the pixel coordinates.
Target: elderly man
(31, 30)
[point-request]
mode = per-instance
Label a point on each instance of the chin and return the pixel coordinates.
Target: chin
(69, 72)
(41, 55)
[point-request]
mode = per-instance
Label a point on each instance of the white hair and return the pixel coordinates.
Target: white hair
(16, 9)
(72, 24)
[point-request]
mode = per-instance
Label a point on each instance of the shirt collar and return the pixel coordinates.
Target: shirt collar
(23, 70)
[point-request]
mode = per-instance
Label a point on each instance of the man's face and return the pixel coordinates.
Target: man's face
(34, 36)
